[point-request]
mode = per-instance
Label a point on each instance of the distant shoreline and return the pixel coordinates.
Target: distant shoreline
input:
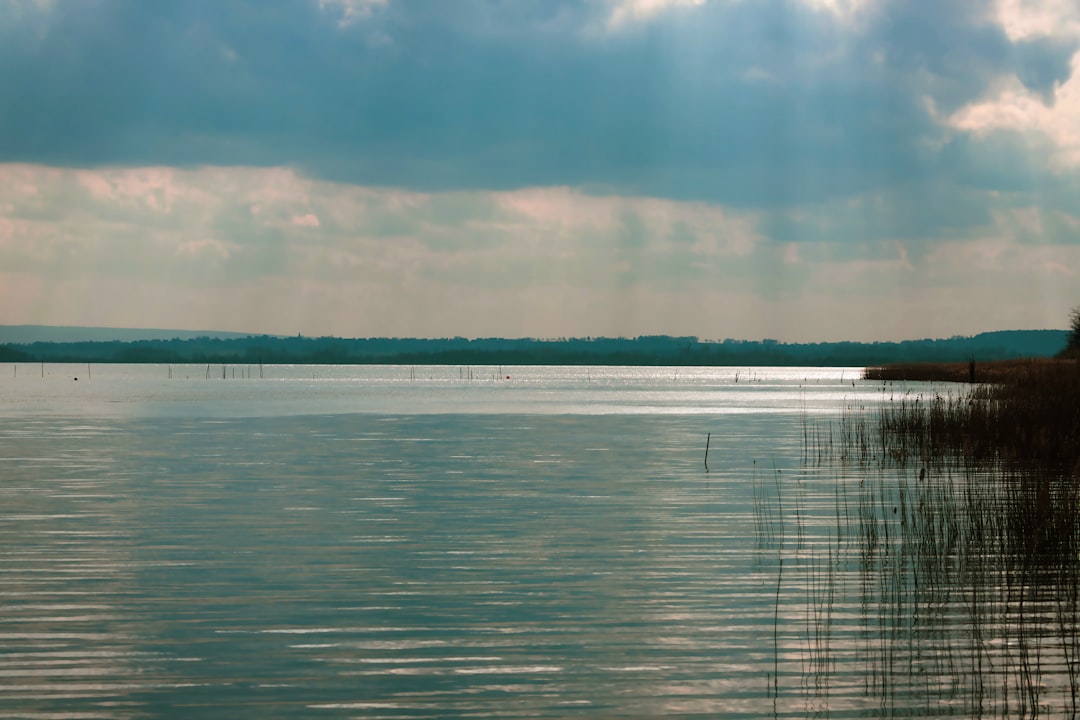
(644, 351)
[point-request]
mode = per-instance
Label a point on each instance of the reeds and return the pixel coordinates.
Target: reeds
(967, 372)
(944, 592)
(958, 511)
(1029, 413)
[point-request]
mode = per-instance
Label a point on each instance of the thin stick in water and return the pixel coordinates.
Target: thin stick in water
(775, 635)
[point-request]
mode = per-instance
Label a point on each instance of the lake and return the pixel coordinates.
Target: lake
(528, 542)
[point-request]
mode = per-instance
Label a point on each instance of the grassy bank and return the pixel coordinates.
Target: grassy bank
(1002, 371)
(1025, 411)
(1015, 436)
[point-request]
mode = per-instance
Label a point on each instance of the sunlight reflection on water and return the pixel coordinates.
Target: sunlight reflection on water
(138, 391)
(359, 543)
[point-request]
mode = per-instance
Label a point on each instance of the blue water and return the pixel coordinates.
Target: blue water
(429, 543)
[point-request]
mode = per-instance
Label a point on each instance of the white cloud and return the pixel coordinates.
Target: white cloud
(350, 11)
(846, 10)
(1011, 106)
(310, 220)
(624, 12)
(1026, 19)
(250, 237)
(267, 250)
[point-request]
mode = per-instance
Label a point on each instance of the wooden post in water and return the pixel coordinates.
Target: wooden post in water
(707, 439)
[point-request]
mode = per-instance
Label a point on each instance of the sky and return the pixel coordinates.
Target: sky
(804, 170)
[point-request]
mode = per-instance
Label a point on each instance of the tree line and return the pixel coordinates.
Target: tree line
(642, 350)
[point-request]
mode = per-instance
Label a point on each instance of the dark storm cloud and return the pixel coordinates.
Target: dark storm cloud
(754, 103)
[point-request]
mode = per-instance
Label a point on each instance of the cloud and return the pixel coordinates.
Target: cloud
(1013, 107)
(542, 167)
(753, 104)
(351, 11)
(225, 232)
(629, 11)
(306, 220)
(269, 250)
(1025, 19)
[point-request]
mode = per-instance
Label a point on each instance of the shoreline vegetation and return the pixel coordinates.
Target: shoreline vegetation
(958, 506)
(1019, 411)
(657, 350)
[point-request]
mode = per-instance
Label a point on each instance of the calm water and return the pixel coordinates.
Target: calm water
(399, 542)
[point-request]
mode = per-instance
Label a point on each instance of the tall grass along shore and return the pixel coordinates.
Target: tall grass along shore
(1022, 411)
(958, 516)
